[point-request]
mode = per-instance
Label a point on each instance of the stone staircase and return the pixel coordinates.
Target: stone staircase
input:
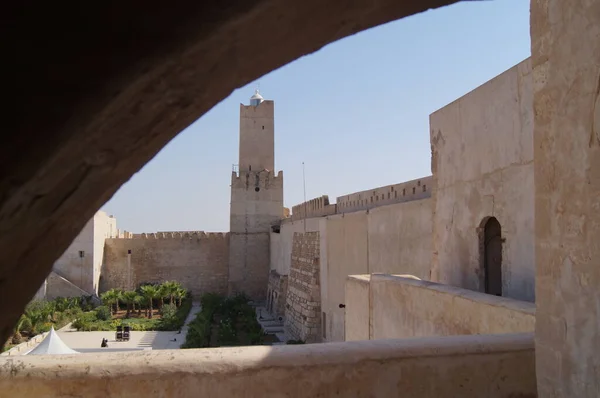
(270, 324)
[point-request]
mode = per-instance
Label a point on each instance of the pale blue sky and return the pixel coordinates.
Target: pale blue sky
(356, 112)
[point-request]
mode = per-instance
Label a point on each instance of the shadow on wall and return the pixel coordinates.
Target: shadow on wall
(498, 366)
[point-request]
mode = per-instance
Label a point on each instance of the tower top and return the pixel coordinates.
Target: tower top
(256, 99)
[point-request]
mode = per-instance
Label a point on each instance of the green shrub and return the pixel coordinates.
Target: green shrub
(174, 317)
(103, 313)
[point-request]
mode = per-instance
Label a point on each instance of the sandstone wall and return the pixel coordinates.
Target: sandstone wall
(199, 261)
(397, 193)
(389, 239)
(482, 162)
(81, 263)
(257, 137)
(439, 367)
(277, 294)
(256, 205)
(400, 238)
(76, 264)
(57, 286)
(303, 303)
(566, 56)
(402, 307)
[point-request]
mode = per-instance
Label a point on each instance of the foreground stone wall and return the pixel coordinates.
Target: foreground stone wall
(403, 306)
(482, 163)
(199, 261)
(440, 367)
(303, 303)
(566, 56)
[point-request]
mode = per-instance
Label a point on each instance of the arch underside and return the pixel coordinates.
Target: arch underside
(96, 93)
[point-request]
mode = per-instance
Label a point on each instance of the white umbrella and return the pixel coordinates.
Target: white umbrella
(52, 345)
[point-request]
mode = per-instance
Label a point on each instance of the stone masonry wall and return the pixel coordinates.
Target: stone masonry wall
(277, 292)
(303, 303)
(197, 260)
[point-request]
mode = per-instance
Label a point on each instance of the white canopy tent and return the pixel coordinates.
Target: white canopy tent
(52, 345)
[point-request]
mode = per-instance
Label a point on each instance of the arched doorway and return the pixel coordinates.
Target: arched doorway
(492, 257)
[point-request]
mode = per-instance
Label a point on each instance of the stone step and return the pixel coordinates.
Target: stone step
(273, 330)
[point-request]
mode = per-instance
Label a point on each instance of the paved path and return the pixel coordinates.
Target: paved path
(86, 342)
(196, 308)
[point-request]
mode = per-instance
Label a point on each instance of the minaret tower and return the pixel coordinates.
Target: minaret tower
(256, 200)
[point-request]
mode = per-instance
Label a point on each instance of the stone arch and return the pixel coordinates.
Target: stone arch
(107, 99)
(490, 255)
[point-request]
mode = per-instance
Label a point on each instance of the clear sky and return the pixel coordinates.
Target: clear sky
(356, 112)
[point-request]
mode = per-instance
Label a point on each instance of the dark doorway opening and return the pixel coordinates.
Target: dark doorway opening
(492, 257)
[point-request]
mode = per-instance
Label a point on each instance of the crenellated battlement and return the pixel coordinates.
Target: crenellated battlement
(264, 179)
(317, 207)
(176, 235)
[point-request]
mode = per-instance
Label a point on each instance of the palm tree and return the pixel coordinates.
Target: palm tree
(150, 292)
(17, 338)
(180, 294)
(111, 297)
(129, 299)
(119, 297)
(140, 301)
(170, 289)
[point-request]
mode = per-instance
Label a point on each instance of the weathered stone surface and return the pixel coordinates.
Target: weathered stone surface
(95, 95)
(303, 302)
(439, 367)
(566, 58)
(199, 261)
(402, 306)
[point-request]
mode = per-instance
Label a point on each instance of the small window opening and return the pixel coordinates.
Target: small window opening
(424, 188)
(404, 192)
(256, 189)
(263, 127)
(414, 190)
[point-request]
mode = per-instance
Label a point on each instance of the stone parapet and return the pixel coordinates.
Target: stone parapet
(436, 367)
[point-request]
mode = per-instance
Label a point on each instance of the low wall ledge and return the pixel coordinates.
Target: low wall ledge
(236, 359)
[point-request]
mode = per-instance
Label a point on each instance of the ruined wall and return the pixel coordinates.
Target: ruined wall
(482, 162)
(403, 306)
(277, 294)
(417, 189)
(303, 302)
(199, 261)
(256, 205)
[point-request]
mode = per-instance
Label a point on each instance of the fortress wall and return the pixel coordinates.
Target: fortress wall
(389, 239)
(198, 260)
(482, 160)
(317, 207)
(397, 193)
(303, 301)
